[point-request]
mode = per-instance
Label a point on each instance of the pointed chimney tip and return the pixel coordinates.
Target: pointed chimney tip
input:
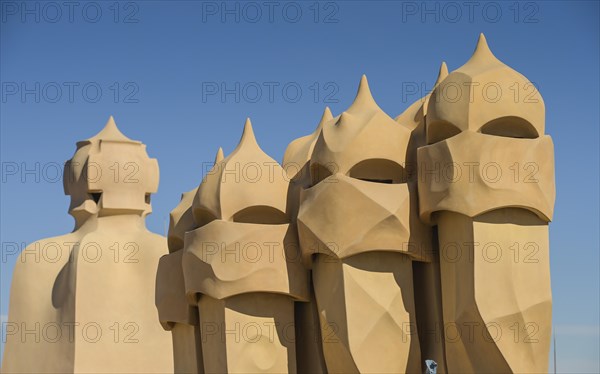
(220, 156)
(327, 116)
(248, 132)
(442, 74)
(363, 95)
(483, 49)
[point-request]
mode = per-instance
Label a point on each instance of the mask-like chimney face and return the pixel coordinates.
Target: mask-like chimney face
(363, 142)
(247, 186)
(485, 95)
(480, 140)
(241, 242)
(110, 174)
(359, 197)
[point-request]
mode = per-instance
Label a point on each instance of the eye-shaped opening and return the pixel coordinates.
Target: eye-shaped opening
(203, 217)
(96, 196)
(440, 130)
(510, 127)
(379, 170)
(261, 214)
(67, 177)
(318, 172)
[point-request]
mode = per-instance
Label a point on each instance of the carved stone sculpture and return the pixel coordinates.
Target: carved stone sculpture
(296, 164)
(487, 182)
(242, 266)
(91, 305)
(355, 221)
(175, 314)
(426, 274)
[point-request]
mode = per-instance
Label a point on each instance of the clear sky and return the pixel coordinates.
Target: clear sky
(161, 68)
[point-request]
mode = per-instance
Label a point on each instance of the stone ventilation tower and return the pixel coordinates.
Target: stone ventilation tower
(174, 312)
(426, 274)
(90, 306)
(487, 183)
(242, 266)
(354, 223)
(296, 163)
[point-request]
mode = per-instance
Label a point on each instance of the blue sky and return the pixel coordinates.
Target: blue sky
(155, 66)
